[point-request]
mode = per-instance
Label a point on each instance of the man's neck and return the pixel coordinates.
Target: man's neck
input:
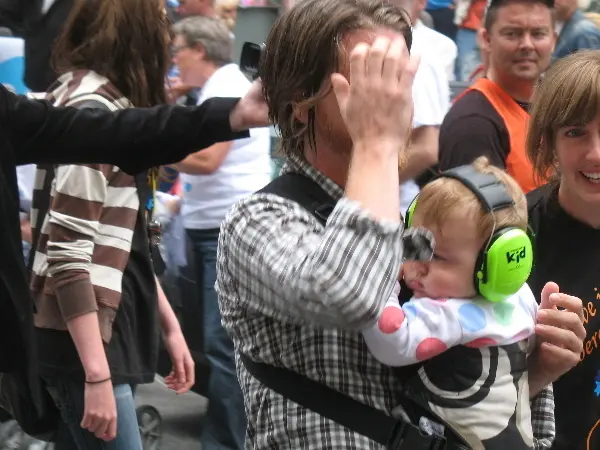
(520, 90)
(208, 72)
(330, 163)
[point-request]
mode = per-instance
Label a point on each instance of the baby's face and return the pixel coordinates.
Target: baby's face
(450, 274)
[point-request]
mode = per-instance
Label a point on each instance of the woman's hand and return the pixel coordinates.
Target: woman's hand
(100, 410)
(183, 374)
(251, 111)
(560, 334)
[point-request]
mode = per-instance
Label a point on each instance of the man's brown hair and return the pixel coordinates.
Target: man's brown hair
(491, 13)
(303, 50)
(569, 95)
(126, 41)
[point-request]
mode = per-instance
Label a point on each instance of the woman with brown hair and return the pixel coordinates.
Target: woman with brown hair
(564, 146)
(98, 304)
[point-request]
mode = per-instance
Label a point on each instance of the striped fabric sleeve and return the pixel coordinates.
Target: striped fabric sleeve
(74, 219)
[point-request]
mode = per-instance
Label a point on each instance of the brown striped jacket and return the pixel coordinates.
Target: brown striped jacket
(86, 235)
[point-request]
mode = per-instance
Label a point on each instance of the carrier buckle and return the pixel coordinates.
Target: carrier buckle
(407, 436)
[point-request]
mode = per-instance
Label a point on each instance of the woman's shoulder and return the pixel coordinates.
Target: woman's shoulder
(540, 201)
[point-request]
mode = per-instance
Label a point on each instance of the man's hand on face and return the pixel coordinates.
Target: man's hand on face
(251, 111)
(377, 105)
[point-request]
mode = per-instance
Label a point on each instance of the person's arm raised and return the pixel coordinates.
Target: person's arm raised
(133, 139)
(381, 81)
(341, 275)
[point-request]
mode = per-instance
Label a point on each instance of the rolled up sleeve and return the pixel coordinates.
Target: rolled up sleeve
(340, 275)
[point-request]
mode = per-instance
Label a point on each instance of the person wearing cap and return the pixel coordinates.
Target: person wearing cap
(490, 118)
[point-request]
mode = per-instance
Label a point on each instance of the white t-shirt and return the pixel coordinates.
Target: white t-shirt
(434, 46)
(431, 99)
(245, 169)
(25, 180)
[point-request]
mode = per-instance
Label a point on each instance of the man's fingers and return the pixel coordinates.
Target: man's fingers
(377, 53)
(358, 58)
(408, 74)
(395, 61)
(341, 88)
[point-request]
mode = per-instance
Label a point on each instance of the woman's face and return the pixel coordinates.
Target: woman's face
(578, 157)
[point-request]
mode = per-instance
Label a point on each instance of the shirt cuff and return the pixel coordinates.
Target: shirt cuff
(349, 213)
(76, 298)
(418, 243)
(217, 119)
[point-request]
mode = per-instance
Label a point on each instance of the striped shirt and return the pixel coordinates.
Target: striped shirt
(86, 234)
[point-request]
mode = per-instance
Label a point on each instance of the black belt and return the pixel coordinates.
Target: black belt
(394, 434)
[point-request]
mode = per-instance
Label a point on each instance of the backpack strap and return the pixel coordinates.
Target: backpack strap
(304, 191)
(535, 201)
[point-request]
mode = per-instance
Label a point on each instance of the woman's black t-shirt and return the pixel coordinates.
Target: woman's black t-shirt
(568, 253)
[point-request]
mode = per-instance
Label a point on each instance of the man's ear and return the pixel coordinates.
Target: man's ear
(483, 39)
(200, 51)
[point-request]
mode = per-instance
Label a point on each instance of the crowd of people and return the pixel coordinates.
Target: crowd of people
(461, 22)
(419, 276)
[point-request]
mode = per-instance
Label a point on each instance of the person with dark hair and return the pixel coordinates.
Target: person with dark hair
(92, 274)
(132, 139)
(490, 117)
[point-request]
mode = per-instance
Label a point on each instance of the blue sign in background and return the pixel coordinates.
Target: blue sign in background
(12, 64)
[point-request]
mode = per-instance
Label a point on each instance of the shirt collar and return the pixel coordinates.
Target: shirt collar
(298, 164)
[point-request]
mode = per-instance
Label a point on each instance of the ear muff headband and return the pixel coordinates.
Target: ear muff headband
(505, 262)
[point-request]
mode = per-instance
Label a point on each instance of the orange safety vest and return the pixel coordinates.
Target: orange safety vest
(516, 120)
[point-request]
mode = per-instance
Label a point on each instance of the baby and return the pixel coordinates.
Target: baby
(472, 315)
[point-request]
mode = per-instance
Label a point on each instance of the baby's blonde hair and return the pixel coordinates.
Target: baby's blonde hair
(445, 197)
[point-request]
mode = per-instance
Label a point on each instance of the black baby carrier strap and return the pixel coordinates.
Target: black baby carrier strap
(372, 423)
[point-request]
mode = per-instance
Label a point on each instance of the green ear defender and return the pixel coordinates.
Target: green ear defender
(505, 262)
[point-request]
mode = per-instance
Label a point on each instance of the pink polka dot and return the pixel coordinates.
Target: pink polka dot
(429, 348)
(481, 342)
(391, 320)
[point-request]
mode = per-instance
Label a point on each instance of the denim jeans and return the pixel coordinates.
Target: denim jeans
(225, 427)
(468, 57)
(69, 398)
